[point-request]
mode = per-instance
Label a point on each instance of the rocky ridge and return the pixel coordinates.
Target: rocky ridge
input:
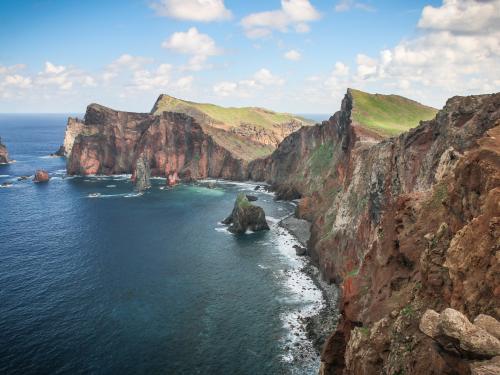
(173, 144)
(402, 225)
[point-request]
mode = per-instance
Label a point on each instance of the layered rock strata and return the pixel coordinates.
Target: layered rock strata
(175, 146)
(402, 225)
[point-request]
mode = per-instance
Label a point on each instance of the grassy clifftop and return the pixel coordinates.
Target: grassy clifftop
(248, 132)
(227, 117)
(388, 115)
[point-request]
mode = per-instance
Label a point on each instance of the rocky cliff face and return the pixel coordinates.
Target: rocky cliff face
(74, 127)
(4, 155)
(111, 142)
(403, 225)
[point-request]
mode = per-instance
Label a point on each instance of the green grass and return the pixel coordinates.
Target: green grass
(242, 201)
(321, 159)
(388, 115)
(231, 116)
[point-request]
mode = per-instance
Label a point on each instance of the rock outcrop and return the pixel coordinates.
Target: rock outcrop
(110, 142)
(142, 174)
(245, 216)
(4, 155)
(455, 333)
(403, 225)
(74, 128)
(41, 176)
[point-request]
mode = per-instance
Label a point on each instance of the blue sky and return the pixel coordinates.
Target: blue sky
(288, 55)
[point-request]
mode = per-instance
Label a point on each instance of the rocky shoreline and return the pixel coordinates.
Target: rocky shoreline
(318, 326)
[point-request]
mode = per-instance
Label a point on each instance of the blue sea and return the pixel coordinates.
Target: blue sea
(95, 279)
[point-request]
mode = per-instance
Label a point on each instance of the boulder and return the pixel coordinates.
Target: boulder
(471, 338)
(300, 250)
(41, 176)
(142, 174)
(491, 367)
(246, 216)
(489, 324)
(429, 323)
(252, 198)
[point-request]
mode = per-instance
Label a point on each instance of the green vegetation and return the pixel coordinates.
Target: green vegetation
(223, 124)
(388, 115)
(408, 311)
(321, 159)
(353, 272)
(439, 195)
(364, 330)
(232, 117)
(242, 201)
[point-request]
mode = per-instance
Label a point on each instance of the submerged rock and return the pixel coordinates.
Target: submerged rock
(4, 155)
(246, 216)
(41, 175)
(61, 152)
(142, 174)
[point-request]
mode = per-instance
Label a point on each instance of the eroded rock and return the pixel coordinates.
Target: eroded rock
(41, 176)
(429, 323)
(142, 174)
(245, 216)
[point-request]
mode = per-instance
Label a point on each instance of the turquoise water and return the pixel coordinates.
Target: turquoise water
(139, 284)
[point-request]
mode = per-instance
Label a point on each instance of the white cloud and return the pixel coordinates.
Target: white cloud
(225, 88)
(17, 80)
(295, 13)
(146, 80)
(62, 77)
(345, 5)
(457, 53)
(53, 69)
(184, 83)
(192, 42)
(293, 55)
(462, 16)
(193, 10)
(246, 88)
(125, 62)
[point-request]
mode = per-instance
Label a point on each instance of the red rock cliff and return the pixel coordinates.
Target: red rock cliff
(110, 142)
(403, 225)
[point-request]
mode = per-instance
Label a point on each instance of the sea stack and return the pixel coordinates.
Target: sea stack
(142, 174)
(4, 155)
(246, 216)
(41, 176)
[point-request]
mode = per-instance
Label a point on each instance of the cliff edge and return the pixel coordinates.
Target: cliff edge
(403, 225)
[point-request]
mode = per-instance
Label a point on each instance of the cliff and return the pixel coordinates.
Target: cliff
(111, 142)
(4, 155)
(266, 128)
(402, 225)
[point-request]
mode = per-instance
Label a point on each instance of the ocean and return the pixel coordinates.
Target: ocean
(95, 279)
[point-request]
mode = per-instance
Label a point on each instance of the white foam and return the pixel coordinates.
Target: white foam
(4, 175)
(110, 186)
(222, 230)
(304, 299)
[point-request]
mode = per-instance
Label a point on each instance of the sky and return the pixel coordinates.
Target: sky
(296, 56)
